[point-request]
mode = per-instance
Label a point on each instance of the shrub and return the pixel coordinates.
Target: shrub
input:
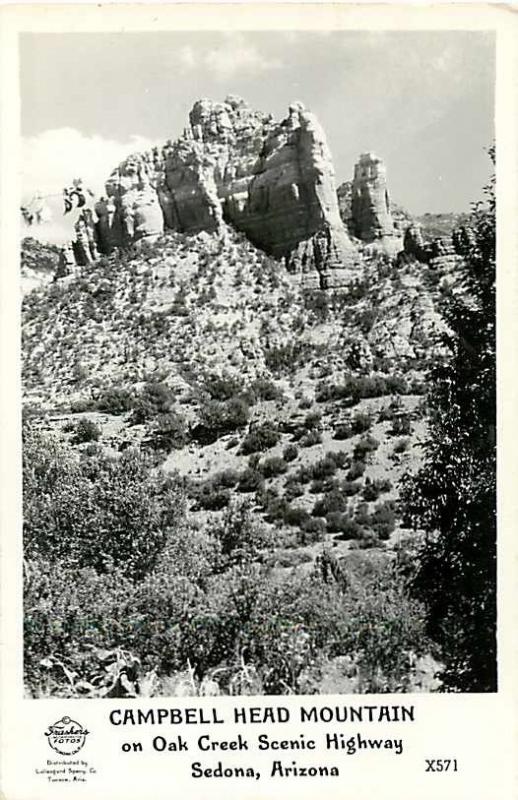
(168, 432)
(305, 402)
(361, 423)
(227, 478)
(218, 417)
(367, 444)
(324, 468)
(354, 389)
(265, 390)
(332, 501)
(350, 529)
(239, 534)
(222, 387)
(356, 470)
(97, 511)
(115, 400)
(350, 488)
(86, 431)
(295, 516)
(383, 519)
(212, 497)
(338, 457)
(286, 358)
(373, 489)
(251, 480)
(290, 453)
(311, 438)
(155, 398)
(293, 488)
(311, 531)
(401, 445)
(260, 438)
(313, 420)
(343, 431)
(273, 466)
(334, 521)
(401, 426)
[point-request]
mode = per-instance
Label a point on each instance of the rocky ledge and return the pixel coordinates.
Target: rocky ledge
(273, 181)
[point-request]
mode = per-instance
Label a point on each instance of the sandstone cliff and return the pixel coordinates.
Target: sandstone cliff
(370, 204)
(272, 181)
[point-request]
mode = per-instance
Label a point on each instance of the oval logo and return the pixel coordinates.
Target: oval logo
(66, 736)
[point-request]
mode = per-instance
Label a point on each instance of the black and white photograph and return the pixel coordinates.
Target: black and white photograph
(258, 363)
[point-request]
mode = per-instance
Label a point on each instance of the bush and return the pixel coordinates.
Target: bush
(332, 501)
(324, 468)
(350, 488)
(227, 478)
(115, 400)
(350, 529)
(222, 387)
(361, 423)
(260, 438)
(401, 445)
(212, 497)
(219, 417)
(311, 438)
(295, 516)
(334, 521)
(401, 426)
(264, 389)
(383, 520)
(168, 432)
(367, 444)
(356, 470)
(313, 421)
(293, 488)
(311, 531)
(98, 511)
(373, 489)
(354, 389)
(290, 453)
(154, 399)
(86, 431)
(251, 480)
(273, 466)
(343, 431)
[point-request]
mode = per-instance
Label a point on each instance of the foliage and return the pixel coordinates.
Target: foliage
(115, 400)
(155, 398)
(95, 511)
(260, 438)
(86, 431)
(219, 417)
(453, 497)
(168, 432)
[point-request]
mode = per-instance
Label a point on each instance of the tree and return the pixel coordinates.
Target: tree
(95, 511)
(453, 497)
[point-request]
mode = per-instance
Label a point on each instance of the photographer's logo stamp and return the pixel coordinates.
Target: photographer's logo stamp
(66, 736)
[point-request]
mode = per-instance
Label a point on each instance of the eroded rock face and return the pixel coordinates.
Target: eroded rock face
(413, 242)
(272, 181)
(132, 189)
(85, 245)
(370, 203)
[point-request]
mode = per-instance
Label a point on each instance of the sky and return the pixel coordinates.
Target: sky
(422, 101)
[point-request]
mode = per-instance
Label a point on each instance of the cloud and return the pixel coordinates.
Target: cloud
(235, 55)
(53, 158)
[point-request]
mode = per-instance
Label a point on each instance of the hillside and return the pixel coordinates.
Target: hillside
(224, 393)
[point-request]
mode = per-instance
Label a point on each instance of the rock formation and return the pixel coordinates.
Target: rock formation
(272, 181)
(370, 204)
(85, 244)
(413, 243)
(415, 247)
